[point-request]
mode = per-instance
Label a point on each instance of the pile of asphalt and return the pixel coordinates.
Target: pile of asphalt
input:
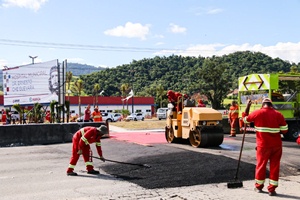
(180, 168)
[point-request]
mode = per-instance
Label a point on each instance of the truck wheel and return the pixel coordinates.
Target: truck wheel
(195, 138)
(169, 133)
(293, 131)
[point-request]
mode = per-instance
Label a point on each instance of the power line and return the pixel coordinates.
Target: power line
(79, 46)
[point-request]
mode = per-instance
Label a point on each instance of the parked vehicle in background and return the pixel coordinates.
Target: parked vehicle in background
(117, 117)
(135, 117)
(80, 119)
(162, 113)
(108, 117)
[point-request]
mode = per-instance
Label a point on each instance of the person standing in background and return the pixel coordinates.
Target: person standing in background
(233, 118)
(97, 116)
(87, 114)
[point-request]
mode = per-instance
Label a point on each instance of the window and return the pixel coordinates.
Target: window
(138, 111)
(148, 110)
(109, 111)
(102, 110)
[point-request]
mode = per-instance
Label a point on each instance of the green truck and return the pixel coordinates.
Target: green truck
(281, 88)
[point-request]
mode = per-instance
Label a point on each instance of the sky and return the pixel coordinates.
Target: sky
(116, 32)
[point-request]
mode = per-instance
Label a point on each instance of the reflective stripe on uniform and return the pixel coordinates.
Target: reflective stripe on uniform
(272, 182)
(260, 182)
(266, 129)
(85, 140)
(284, 128)
(98, 144)
(71, 166)
(82, 131)
(88, 163)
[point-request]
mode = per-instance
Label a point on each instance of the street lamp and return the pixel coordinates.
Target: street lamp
(33, 57)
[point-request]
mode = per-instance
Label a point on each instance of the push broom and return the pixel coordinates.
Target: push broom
(237, 183)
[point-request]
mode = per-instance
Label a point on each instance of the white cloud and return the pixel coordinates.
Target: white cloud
(206, 11)
(31, 4)
(130, 30)
(177, 29)
(286, 51)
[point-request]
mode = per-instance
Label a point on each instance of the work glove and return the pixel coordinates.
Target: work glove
(298, 140)
(79, 152)
(102, 158)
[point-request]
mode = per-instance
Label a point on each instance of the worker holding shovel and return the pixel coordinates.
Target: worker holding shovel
(81, 145)
(269, 124)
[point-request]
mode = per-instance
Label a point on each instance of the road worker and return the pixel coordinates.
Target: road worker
(81, 145)
(269, 124)
(97, 116)
(233, 118)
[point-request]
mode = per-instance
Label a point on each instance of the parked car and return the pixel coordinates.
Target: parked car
(80, 119)
(108, 117)
(117, 117)
(135, 117)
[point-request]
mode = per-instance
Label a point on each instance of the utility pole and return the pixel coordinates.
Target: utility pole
(132, 74)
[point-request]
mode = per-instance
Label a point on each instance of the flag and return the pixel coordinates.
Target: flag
(131, 93)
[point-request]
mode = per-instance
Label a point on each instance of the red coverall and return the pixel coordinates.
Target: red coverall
(81, 140)
(233, 116)
(268, 123)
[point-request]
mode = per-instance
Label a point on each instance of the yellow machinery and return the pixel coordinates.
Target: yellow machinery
(201, 125)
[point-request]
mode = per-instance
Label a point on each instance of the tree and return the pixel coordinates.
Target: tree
(215, 81)
(160, 92)
(124, 88)
(69, 76)
(77, 88)
(96, 92)
(18, 108)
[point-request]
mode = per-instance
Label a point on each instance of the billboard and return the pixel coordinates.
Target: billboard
(29, 84)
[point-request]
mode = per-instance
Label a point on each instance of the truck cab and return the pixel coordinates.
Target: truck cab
(281, 88)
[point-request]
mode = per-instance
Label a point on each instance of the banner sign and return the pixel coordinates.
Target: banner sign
(29, 84)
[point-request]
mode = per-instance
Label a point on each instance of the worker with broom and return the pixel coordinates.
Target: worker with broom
(269, 124)
(81, 145)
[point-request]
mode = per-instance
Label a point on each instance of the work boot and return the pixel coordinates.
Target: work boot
(258, 190)
(272, 193)
(71, 173)
(93, 172)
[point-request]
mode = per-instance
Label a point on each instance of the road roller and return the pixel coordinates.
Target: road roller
(200, 125)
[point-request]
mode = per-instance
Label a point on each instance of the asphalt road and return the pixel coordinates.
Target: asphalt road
(178, 171)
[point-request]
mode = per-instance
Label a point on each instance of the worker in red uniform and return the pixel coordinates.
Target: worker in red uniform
(3, 119)
(269, 124)
(97, 116)
(81, 145)
(233, 118)
(201, 103)
(87, 114)
(48, 116)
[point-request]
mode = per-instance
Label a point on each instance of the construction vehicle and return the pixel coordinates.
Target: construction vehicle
(281, 89)
(200, 125)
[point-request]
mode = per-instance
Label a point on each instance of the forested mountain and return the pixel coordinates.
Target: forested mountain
(183, 74)
(82, 69)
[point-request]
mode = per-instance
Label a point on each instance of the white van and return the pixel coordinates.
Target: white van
(162, 113)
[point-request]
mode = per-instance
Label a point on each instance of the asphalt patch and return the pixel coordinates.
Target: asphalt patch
(178, 169)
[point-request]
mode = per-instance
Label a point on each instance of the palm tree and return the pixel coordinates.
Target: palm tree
(18, 108)
(69, 76)
(96, 91)
(77, 88)
(67, 104)
(52, 113)
(124, 88)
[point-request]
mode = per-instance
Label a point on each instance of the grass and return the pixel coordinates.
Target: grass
(146, 124)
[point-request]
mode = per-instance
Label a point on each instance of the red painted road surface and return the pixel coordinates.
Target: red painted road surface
(143, 137)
